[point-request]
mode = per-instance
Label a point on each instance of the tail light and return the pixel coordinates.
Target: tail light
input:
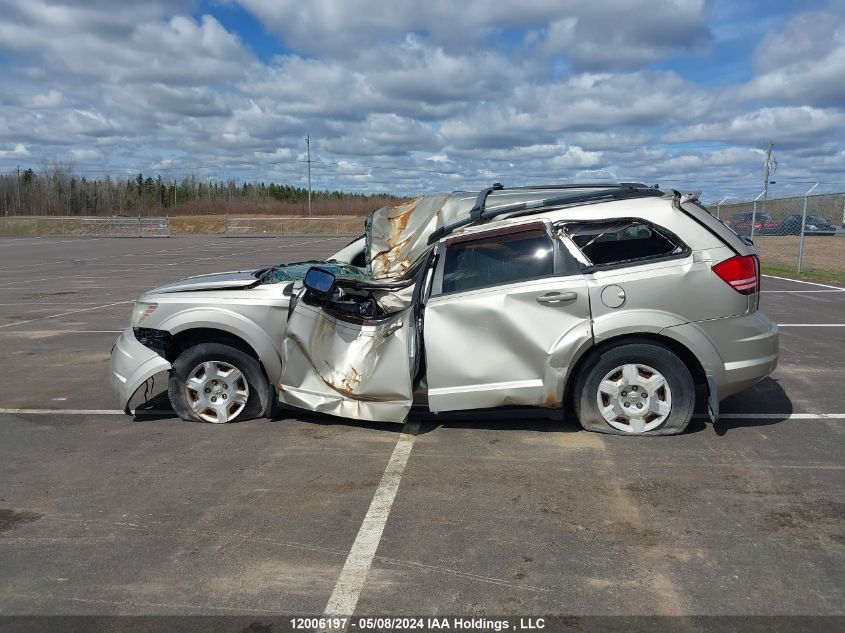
(742, 273)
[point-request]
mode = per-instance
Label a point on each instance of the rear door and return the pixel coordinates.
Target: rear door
(507, 311)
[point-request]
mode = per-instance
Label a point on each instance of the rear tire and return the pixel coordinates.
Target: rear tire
(245, 394)
(638, 388)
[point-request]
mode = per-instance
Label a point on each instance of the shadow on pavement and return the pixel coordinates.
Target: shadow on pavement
(766, 397)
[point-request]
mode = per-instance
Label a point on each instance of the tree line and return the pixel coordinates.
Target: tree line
(57, 190)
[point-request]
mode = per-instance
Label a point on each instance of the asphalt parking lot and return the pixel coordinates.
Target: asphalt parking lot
(102, 513)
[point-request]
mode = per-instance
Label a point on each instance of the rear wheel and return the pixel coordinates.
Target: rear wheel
(213, 382)
(634, 389)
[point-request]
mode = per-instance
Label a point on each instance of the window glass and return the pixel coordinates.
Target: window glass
(620, 241)
(497, 259)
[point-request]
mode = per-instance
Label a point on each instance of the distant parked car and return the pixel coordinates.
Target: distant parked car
(763, 224)
(814, 225)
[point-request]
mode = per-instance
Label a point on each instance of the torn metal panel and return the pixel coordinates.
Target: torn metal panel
(353, 370)
(397, 236)
(393, 300)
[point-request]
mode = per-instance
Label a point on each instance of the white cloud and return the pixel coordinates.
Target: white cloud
(604, 35)
(418, 95)
(588, 101)
(39, 100)
(129, 44)
(18, 151)
(622, 29)
(803, 64)
(791, 126)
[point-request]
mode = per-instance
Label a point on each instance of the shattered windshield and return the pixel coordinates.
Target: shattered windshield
(296, 271)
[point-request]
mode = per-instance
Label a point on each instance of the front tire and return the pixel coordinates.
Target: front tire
(213, 382)
(634, 389)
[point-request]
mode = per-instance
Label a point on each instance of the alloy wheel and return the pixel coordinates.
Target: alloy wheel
(634, 398)
(217, 391)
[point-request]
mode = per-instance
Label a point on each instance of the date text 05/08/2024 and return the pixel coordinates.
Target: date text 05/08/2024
(417, 624)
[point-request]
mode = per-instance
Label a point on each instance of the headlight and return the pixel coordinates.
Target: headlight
(142, 311)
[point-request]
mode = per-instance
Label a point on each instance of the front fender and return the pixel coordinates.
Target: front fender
(233, 323)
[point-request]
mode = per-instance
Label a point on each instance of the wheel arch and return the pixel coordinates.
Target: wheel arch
(686, 355)
(192, 327)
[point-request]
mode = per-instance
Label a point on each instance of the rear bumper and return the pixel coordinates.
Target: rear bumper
(131, 365)
(735, 352)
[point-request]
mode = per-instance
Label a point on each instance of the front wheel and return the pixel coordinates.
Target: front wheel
(634, 389)
(213, 382)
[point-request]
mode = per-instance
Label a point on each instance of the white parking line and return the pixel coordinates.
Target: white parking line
(61, 314)
(33, 241)
(412, 429)
(777, 416)
(803, 291)
(799, 281)
(82, 412)
(811, 325)
(354, 573)
(142, 269)
(58, 332)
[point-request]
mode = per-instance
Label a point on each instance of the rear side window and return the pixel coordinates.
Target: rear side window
(497, 259)
(623, 241)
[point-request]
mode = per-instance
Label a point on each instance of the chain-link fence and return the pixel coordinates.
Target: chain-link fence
(24, 226)
(244, 226)
(804, 234)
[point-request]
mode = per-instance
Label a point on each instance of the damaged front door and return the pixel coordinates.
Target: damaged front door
(349, 367)
(508, 311)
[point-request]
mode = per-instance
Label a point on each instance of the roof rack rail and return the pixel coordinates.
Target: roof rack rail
(620, 191)
(581, 185)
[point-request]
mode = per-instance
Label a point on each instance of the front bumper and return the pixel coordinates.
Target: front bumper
(131, 365)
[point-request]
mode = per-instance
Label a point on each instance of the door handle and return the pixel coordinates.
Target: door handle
(557, 297)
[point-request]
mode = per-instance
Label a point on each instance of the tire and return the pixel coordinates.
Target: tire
(600, 374)
(249, 387)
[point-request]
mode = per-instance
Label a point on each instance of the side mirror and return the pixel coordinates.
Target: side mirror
(320, 282)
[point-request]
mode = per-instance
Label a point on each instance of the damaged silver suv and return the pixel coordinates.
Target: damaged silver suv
(620, 299)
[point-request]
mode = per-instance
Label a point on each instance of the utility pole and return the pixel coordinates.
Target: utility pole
(308, 145)
(768, 169)
(19, 190)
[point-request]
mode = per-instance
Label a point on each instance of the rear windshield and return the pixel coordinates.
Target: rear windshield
(717, 227)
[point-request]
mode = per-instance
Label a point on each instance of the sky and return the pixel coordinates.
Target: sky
(416, 97)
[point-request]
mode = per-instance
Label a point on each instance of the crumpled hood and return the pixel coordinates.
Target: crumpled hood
(397, 236)
(216, 281)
